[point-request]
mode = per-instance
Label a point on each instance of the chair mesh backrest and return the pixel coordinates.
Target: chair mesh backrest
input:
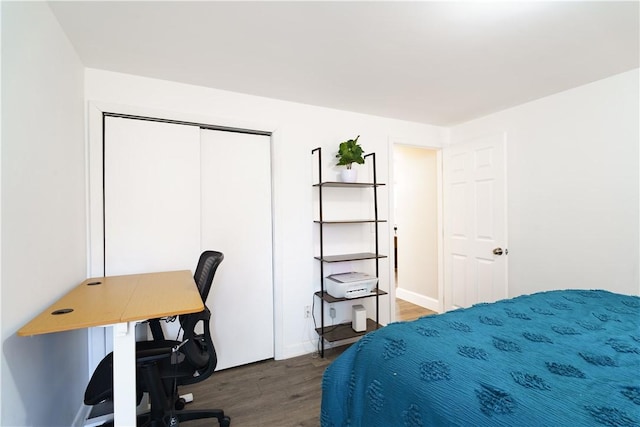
(206, 269)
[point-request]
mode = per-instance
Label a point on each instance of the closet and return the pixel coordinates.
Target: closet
(172, 190)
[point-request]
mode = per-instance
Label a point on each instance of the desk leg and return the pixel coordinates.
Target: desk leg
(124, 374)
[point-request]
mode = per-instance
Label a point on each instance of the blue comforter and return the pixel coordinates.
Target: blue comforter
(558, 358)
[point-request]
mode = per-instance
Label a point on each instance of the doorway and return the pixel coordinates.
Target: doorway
(416, 223)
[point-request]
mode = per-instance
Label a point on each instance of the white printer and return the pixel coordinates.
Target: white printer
(349, 285)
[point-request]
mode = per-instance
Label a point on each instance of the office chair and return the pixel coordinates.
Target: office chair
(163, 365)
(205, 270)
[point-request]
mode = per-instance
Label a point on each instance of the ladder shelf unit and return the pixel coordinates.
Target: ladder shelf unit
(343, 331)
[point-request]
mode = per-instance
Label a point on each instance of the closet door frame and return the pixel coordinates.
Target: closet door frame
(99, 343)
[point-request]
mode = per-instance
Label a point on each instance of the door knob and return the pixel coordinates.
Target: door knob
(499, 251)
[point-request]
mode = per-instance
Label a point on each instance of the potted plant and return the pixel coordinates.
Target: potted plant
(349, 152)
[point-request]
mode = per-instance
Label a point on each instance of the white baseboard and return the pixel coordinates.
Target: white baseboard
(300, 349)
(418, 299)
(309, 347)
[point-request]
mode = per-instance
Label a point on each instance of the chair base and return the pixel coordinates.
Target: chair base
(185, 415)
(143, 420)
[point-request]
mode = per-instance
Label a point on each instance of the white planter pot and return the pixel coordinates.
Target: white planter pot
(348, 175)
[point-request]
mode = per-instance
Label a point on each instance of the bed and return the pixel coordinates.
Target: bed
(557, 358)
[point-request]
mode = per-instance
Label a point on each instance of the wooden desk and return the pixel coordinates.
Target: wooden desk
(121, 302)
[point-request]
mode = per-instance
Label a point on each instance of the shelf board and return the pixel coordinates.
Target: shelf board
(344, 331)
(337, 184)
(349, 221)
(331, 299)
(350, 257)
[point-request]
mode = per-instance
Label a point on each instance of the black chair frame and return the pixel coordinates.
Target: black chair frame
(156, 366)
(163, 365)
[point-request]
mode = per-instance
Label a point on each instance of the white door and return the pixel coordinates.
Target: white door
(151, 196)
(172, 191)
(236, 220)
(475, 222)
(151, 173)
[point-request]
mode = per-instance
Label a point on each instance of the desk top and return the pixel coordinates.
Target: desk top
(104, 301)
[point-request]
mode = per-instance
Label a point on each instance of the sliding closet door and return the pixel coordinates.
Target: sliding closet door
(151, 196)
(236, 220)
(172, 191)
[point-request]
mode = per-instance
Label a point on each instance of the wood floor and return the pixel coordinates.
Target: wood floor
(274, 393)
(270, 393)
(407, 311)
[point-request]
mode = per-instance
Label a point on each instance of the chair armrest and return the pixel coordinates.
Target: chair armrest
(156, 329)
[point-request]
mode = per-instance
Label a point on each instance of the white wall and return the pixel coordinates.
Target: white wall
(43, 215)
(298, 129)
(573, 187)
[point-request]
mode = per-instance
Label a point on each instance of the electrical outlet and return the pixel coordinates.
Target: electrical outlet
(332, 312)
(307, 311)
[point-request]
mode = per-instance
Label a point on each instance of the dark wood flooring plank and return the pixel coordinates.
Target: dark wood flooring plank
(273, 393)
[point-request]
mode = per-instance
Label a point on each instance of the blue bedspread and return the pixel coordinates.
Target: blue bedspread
(559, 358)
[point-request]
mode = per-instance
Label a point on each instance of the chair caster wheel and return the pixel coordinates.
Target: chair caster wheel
(225, 422)
(180, 403)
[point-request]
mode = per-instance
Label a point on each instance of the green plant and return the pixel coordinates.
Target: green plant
(350, 152)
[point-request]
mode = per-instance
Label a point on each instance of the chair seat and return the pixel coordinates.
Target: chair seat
(100, 386)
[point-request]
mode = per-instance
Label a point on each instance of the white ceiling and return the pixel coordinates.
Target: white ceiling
(440, 63)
